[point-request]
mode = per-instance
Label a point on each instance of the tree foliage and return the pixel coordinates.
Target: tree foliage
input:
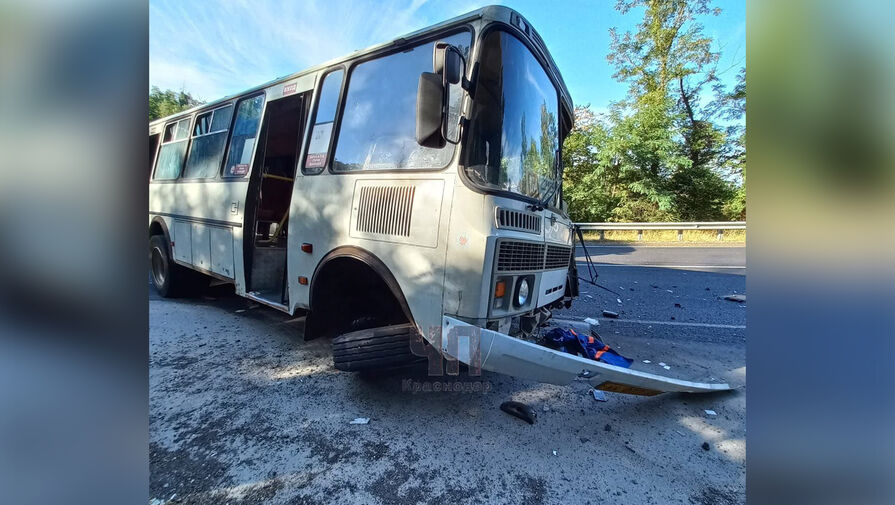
(165, 103)
(660, 154)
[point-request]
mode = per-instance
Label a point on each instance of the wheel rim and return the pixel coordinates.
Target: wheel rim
(158, 267)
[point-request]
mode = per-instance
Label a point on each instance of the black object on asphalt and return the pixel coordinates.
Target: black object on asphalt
(520, 410)
(610, 314)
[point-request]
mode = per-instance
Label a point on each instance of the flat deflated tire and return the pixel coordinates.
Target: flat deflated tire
(375, 348)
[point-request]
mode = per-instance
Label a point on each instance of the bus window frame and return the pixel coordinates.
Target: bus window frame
(219, 173)
(220, 177)
(346, 82)
(318, 92)
(162, 143)
(212, 111)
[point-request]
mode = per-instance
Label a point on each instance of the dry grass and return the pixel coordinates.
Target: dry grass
(669, 237)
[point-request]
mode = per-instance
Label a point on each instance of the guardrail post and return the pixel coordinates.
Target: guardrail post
(639, 234)
(680, 235)
(601, 235)
(720, 234)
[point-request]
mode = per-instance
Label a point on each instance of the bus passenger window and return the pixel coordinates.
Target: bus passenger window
(209, 140)
(321, 133)
(242, 141)
(378, 126)
(171, 154)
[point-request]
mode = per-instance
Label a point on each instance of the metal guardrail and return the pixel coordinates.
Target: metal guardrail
(680, 227)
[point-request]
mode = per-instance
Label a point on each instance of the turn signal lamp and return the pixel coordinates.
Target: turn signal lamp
(500, 289)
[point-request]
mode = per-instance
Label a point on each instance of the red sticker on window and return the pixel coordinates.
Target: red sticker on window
(240, 169)
(290, 88)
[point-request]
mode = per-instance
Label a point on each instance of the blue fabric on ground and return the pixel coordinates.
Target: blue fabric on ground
(590, 346)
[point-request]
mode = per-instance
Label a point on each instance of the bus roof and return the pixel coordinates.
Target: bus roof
(491, 12)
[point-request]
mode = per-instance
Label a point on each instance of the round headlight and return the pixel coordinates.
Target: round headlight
(522, 291)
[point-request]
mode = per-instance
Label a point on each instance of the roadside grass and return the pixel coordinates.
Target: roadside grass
(668, 237)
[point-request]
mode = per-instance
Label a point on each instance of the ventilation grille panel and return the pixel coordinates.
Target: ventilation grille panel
(513, 256)
(516, 220)
(557, 257)
(385, 210)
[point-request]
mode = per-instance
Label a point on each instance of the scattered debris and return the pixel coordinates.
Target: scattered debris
(554, 453)
(629, 448)
(619, 301)
(520, 410)
(607, 428)
(647, 361)
(361, 420)
(546, 408)
(584, 440)
(710, 412)
(679, 433)
(240, 310)
(661, 364)
(593, 322)
(610, 314)
(670, 291)
(678, 305)
(736, 298)
(589, 296)
(705, 446)
(666, 367)
(599, 395)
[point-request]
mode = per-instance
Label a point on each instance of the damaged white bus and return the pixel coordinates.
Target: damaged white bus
(410, 189)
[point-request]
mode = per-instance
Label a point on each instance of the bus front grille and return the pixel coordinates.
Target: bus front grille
(515, 256)
(385, 210)
(557, 257)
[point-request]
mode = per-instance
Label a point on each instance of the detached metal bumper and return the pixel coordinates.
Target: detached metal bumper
(497, 352)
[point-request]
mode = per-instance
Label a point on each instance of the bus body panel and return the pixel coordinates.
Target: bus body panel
(205, 222)
(323, 206)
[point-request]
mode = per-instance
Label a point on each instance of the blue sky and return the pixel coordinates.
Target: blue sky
(213, 50)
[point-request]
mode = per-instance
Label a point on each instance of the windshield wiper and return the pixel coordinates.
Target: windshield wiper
(556, 182)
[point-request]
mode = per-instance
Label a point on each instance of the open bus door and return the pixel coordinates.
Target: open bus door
(269, 198)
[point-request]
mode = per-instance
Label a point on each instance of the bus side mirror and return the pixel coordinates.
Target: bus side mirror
(447, 62)
(433, 96)
(429, 106)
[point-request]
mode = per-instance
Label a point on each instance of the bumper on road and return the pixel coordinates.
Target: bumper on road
(497, 352)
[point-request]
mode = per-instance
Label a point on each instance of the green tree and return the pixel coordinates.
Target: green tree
(732, 106)
(165, 103)
(616, 167)
(669, 56)
(659, 154)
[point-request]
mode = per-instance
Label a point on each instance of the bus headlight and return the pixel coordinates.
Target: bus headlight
(522, 291)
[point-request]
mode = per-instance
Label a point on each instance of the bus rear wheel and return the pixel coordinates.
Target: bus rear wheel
(170, 279)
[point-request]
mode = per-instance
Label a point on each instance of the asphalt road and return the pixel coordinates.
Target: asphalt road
(243, 410)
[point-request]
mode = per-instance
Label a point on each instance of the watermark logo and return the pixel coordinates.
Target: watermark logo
(443, 354)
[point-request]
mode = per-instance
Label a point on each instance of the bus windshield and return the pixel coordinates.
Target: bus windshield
(513, 139)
